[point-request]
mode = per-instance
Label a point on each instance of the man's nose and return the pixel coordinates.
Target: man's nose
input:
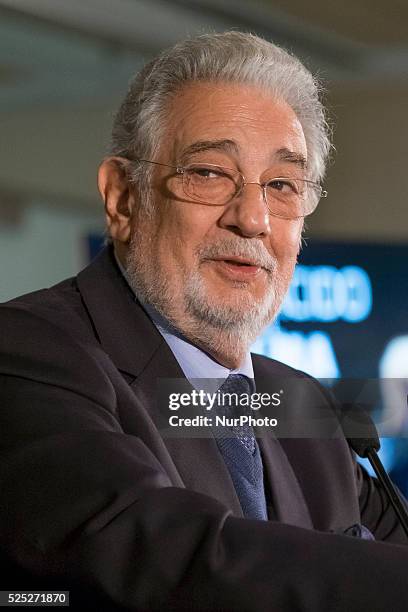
(248, 212)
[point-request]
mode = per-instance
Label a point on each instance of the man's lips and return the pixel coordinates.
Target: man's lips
(240, 261)
(237, 268)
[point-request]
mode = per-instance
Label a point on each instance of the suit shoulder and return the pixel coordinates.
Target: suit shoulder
(48, 331)
(37, 347)
(59, 307)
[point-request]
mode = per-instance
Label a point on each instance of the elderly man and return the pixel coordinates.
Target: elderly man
(217, 155)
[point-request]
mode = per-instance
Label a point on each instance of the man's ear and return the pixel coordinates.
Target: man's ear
(119, 199)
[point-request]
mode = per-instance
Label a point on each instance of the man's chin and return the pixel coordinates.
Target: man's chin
(237, 297)
(229, 311)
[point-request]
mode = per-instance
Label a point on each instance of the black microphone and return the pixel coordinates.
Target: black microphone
(367, 447)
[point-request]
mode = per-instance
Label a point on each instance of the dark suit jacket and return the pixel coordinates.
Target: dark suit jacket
(95, 499)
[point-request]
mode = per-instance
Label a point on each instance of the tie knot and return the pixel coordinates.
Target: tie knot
(237, 383)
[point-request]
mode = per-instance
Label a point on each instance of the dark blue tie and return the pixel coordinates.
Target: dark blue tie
(240, 451)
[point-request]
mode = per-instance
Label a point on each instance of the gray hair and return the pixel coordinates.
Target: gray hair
(227, 57)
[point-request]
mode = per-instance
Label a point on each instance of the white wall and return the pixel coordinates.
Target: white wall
(367, 182)
(48, 245)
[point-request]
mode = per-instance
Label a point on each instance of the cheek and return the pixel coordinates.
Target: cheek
(193, 222)
(182, 228)
(285, 237)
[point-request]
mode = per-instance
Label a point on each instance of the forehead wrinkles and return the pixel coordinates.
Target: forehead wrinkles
(200, 111)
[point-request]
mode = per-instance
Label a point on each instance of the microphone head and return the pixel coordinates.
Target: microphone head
(359, 429)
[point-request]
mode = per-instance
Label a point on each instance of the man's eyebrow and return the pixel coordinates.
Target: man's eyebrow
(285, 154)
(226, 145)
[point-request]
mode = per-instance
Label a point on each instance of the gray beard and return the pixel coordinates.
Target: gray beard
(242, 321)
(221, 328)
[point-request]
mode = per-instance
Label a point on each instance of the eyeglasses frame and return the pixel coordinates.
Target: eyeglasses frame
(182, 169)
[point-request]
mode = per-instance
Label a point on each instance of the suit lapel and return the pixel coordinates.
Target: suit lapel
(288, 503)
(139, 351)
(121, 325)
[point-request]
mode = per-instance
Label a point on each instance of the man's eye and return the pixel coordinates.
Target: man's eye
(205, 173)
(283, 185)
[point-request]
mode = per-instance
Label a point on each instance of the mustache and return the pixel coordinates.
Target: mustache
(253, 250)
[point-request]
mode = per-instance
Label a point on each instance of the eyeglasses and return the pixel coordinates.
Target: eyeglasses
(285, 197)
